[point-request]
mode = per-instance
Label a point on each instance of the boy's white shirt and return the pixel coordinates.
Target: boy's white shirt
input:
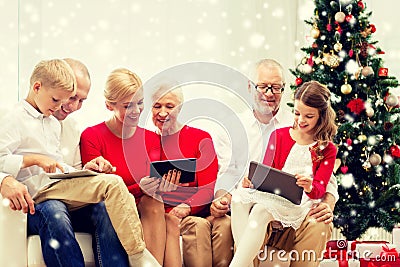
(26, 131)
(2, 176)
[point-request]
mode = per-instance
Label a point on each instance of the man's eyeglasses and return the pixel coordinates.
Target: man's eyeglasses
(264, 88)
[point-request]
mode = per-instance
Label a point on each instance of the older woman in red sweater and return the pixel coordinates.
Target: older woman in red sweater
(182, 141)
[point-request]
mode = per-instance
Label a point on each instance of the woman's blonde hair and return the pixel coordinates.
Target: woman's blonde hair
(316, 95)
(120, 84)
(54, 73)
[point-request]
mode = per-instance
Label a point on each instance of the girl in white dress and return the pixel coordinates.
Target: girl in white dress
(305, 150)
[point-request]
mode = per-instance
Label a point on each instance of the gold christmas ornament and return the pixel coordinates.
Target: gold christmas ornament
(331, 60)
(337, 47)
(357, 74)
(340, 17)
(346, 89)
(366, 32)
(391, 100)
(362, 137)
(315, 32)
(367, 71)
(375, 159)
(369, 112)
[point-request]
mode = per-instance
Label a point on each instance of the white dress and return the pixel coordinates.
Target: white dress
(289, 214)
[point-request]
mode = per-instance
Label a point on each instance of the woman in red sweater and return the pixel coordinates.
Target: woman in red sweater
(130, 149)
(182, 141)
(305, 150)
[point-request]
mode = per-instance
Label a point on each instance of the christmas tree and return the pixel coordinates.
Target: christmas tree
(344, 56)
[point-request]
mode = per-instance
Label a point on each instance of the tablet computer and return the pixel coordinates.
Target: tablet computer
(186, 166)
(271, 180)
(69, 175)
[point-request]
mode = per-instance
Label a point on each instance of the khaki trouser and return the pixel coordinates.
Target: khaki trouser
(120, 204)
(207, 243)
(310, 237)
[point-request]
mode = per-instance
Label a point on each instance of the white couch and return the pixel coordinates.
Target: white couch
(18, 250)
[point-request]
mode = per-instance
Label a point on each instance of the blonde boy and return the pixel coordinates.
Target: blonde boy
(29, 147)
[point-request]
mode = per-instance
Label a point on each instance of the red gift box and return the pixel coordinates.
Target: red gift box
(388, 257)
(389, 253)
(337, 250)
(378, 263)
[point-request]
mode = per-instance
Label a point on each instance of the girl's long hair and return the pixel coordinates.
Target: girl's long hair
(316, 95)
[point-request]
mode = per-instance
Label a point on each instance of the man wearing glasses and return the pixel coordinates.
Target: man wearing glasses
(257, 125)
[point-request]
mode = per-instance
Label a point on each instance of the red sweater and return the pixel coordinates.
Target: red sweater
(130, 156)
(323, 161)
(191, 142)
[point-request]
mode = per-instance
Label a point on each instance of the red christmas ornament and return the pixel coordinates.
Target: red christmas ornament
(356, 106)
(344, 169)
(383, 72)
(386, 95)
(298, 81)
(329, 27)
(351, 52)
(360, 5)
(373, 28)
(349, 17)
(349, 141)
(310, 61)
(395, 151)
(338, 28)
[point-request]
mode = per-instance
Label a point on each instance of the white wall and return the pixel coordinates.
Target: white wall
(151, 36)
(385, 17)
(8, 53)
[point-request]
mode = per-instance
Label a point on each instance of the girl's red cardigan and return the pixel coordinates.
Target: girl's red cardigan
(323, 159)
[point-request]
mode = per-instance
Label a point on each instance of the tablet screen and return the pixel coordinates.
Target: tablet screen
(186, 166)
(271, 180)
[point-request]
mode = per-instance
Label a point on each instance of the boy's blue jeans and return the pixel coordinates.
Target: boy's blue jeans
(56, 226)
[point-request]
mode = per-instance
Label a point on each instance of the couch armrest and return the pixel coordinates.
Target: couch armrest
(12, 236)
